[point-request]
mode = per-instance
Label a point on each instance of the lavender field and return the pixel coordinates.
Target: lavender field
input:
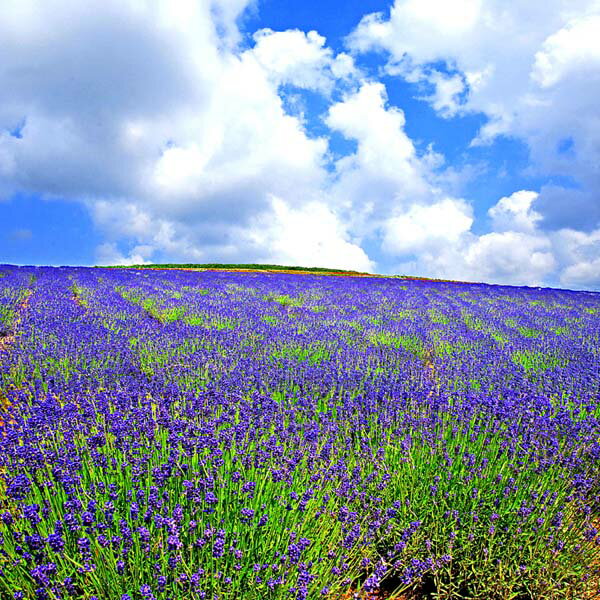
(241, 436)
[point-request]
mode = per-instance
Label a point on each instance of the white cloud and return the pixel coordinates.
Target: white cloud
(385, 173)
(363, 116)
(582, 274)
(149, 114)
(532, 68)
(510, 257)
(516, 251)
(515, 213)
(446, 97)
(182, 146)
(423, 29)
(427, 227)
(300, 59)
(311, 235)
(575, 47)
(390, 195)
(579, 254)
(108, 254)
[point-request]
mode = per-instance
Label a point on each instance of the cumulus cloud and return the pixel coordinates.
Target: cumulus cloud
(311, 235)
(428, 227)
(515, 212)
(532, 68)
(574, 48)
(385, 174)
(516, 251)
(182, 144)
(108, 254)
(510, 257)
(150, 114)
(301, 59)
(580, 254)
(441, 238)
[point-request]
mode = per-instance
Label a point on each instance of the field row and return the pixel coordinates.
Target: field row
(176, 434)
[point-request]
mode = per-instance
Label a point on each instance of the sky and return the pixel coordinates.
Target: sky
(454, 139)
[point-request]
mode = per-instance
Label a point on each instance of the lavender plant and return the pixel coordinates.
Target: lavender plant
(218, 435)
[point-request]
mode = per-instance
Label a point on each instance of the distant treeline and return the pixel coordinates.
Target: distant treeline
(253, 267)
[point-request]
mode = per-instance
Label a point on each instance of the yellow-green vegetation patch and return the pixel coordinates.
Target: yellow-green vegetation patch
(438, 317)
(82, 294)
(410, 343)
(236, 287)
(209, 321)
(172, 314)
(284, 299)
(133, 295)
(150, 305)
(529, 332)
(499, 337)
(467, 297)
(318, 308)
(444, 347)
(532, 360)
(403, 314)
(475, 384)
(195, 320)
(314, 354)
(270, 319)
(560, 330)
(154, 356)
(473, 322)
(7, 314)
(252, 339)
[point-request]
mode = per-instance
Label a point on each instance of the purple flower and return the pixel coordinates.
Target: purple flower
(18, 487)
(247, 514)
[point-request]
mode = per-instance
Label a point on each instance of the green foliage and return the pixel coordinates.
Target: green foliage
(7, 314)
(410, 343)
(210, 321)
(529, 332)
(472, 322)
(313, 354)
(445, 348)
(532, 360)
(499, 337)
(284, 300)
(438, 317)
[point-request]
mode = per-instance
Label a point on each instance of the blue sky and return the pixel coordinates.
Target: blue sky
(455, 139)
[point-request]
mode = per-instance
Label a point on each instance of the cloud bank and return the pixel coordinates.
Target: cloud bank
(176, 129)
